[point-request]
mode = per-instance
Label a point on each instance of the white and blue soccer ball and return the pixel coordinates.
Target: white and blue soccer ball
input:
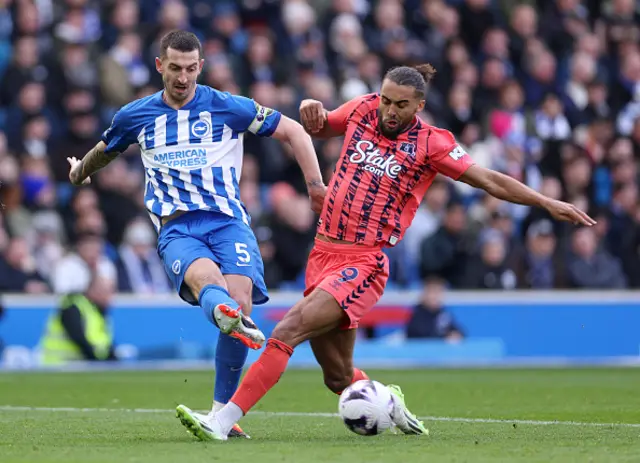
(366, 407)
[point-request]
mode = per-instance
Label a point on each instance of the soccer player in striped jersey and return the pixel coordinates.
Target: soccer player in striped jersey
(389, 159)
(190, 138)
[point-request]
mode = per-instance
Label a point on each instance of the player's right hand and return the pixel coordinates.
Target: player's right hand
(312, 115)
(566, 212)
(74, 172)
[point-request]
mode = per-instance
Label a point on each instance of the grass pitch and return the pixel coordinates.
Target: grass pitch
(474, 416)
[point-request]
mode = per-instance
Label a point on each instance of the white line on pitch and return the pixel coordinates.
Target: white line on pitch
(11, 408)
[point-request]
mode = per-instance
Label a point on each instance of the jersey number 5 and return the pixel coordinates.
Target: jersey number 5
(243, 254)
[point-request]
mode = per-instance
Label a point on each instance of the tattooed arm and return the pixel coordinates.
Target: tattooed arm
(92, 162)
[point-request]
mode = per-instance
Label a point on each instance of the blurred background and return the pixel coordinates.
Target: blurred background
(545, 91)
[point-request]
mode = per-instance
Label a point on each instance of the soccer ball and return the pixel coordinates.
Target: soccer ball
(365, 408)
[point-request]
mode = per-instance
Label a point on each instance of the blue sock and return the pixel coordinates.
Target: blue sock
(211, 296)
(231, 354)
(230, 357)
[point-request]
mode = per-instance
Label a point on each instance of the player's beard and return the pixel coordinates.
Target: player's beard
(391, 133)
(178, 95)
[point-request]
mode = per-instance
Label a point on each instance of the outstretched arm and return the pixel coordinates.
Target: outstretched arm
(289, 131)
(451, 160)
(506, 188)
(81, 170)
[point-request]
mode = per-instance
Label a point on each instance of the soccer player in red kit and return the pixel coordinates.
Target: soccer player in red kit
(389, 158)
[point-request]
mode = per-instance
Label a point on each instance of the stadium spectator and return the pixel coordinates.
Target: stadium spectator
(123, 70)
(460, 111)
(273, 276)
(550, 120)
(138, 266)
(590, 267)
(445, 253)
(491, 270)
(293, 225)
(501, 220)
(548, 92)
(426, 222)
(74, 271)
(25, 67)
(541, 268)
(120, 193)
(429, 318)
(622, 217)
(523, 24)
(583, 70)
(46, 236)
(18, 270)
(79, 329)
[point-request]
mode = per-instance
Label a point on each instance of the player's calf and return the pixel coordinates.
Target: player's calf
(339, 382)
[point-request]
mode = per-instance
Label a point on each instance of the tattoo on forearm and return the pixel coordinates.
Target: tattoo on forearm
(315, 183)
(94, 160)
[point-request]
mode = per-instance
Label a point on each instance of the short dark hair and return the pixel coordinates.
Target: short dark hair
(417, 77)
(183, 41)
(453, 205)
(434, 279)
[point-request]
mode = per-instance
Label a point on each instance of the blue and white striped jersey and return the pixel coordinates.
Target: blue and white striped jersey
(192, 156)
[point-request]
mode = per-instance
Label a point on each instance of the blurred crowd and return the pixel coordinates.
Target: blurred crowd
(545, 91)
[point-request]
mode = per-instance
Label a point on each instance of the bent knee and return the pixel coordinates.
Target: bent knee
(337, 383)
(292, 329)
(286, 332)
(203, 272)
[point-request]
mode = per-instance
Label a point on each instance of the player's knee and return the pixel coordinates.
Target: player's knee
(291, 329)
(286, 332)
(337, 382)
(201, 273)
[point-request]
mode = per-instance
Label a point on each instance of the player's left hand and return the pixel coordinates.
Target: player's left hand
(74, 172)
(317, 192)
(560, 210)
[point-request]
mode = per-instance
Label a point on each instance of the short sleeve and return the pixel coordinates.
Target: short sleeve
(448, 157)
(339, 117)
(246, 115)
(119, 136)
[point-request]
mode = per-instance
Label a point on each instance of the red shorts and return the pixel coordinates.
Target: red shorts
(354, 275)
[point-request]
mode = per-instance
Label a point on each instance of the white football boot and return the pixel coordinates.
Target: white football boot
(406, 421)
(204, 427)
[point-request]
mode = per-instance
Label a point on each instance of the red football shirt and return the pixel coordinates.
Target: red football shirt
(379, 183)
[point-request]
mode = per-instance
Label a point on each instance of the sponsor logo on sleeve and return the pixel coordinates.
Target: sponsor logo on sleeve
(457, 153)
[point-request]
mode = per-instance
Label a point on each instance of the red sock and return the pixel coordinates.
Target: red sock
(263, 374)
(357, 376)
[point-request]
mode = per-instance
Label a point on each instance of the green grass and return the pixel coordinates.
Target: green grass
(118, 435)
